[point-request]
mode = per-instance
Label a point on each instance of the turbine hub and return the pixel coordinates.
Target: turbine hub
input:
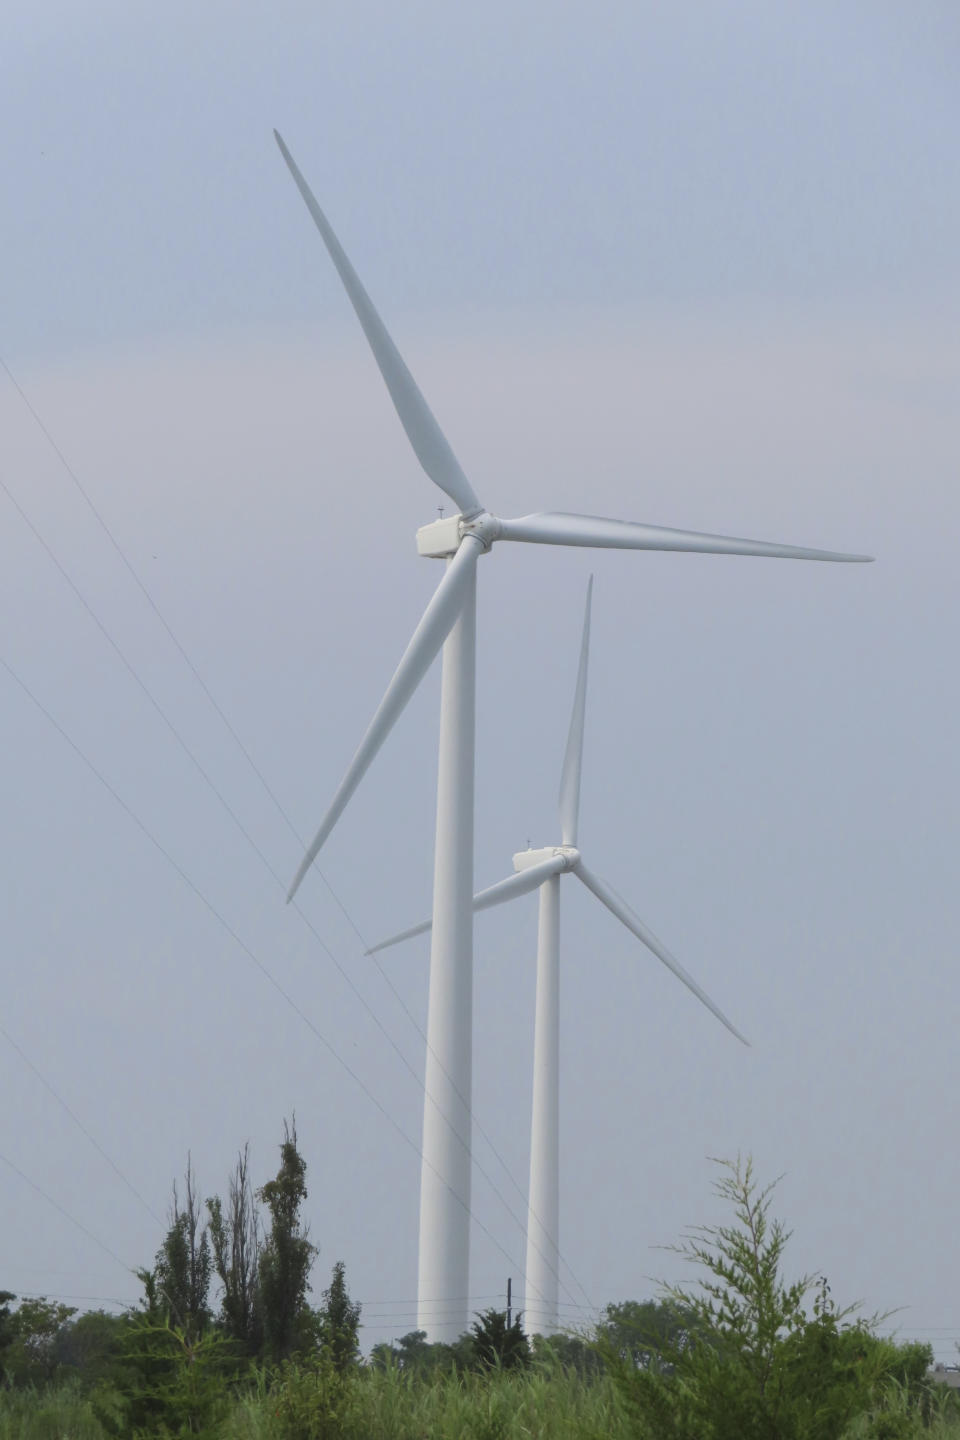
(525, 859)
(485, 527)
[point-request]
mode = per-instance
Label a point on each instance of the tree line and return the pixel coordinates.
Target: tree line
(225, 1342)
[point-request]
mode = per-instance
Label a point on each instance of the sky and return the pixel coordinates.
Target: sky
(694, 266)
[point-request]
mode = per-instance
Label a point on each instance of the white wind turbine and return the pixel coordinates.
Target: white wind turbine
(541, 869)
(449, 621)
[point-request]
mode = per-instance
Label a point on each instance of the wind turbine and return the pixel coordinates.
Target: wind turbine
(541, 870)
(449, 621)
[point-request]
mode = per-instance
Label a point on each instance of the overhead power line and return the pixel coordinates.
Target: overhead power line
(245, 948)
(80, 1125)
(234, 817)
(66, 1214)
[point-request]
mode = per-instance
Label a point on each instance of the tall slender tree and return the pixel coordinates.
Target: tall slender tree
(340, 1322)
(235, 1239)
(182, 1269)
(286, 1256)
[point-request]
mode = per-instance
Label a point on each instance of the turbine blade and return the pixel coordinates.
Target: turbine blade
(420, 929)
(430, 444)
(521, 882)
(514, 885)
(555, 528)
(573, 758)
(624, 914)
(437, 622)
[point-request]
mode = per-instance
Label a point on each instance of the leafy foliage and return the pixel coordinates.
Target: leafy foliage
(181, 1273)
(339, 1323)
(175, 1381)
(497, 1344)
(287, 1256)
(235, 1241)
(646, 1332)
(311, 1399)
(6, 1320)
(747, 1355)
(753, 1364)
(35, 1327)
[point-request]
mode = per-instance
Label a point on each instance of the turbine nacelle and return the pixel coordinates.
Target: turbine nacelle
(526, 859)
(441, 539)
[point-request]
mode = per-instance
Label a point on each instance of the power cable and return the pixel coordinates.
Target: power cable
(66, 1213)
(80, 1125)
(58, 1295)
(250, 954)
(242, 828)
(290, 824)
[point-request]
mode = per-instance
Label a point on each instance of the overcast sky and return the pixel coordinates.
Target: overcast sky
(696, 266)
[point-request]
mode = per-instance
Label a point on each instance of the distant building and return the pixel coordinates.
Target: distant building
(946, 1375)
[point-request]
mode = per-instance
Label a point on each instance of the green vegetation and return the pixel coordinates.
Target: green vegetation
(746, 1354)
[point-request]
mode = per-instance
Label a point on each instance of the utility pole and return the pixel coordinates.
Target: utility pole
(509, 1299)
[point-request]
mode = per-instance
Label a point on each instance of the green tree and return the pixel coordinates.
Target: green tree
(754, 1363)
(174, 1381)
(312, 1400)
(31, 1358)
(286, 1256)
(568, 1353)
(6, 1321)
(409, 1353)
(90, 1348)
(181, 1271)
(340, 1322)
(497, 1344)
(235, 1241)
(645, 1331)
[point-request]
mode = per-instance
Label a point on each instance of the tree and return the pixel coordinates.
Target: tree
(174, 1382)
(414, 1354)
(286, 1255)
(339, 1322)
(36, 1325)
(644, 1331)
(498, 1345)
(6, 1320)
(235, 1239)
(568, 1353)
(410, 1353)
(753, 1363)
(182, 1269)
(91, 1347)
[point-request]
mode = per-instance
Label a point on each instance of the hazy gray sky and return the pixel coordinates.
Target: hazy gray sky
(694, 268)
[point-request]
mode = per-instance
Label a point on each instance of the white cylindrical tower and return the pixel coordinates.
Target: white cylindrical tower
(443, 1288)
(543, 1215)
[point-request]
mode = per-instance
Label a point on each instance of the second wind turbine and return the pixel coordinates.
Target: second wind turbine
(541, 870)
(449, 621)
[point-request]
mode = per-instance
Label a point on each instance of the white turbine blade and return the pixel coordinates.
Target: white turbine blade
(420, 929)
(555, 528)
(430, 444)
(623, 913)
(514, 885)
(437, 622)
(572, 760)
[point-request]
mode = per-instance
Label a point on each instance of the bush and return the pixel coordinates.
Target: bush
(311, 1400)
(754, 1363)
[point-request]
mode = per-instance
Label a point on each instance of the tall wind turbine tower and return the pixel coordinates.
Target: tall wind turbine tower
(449, 621)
